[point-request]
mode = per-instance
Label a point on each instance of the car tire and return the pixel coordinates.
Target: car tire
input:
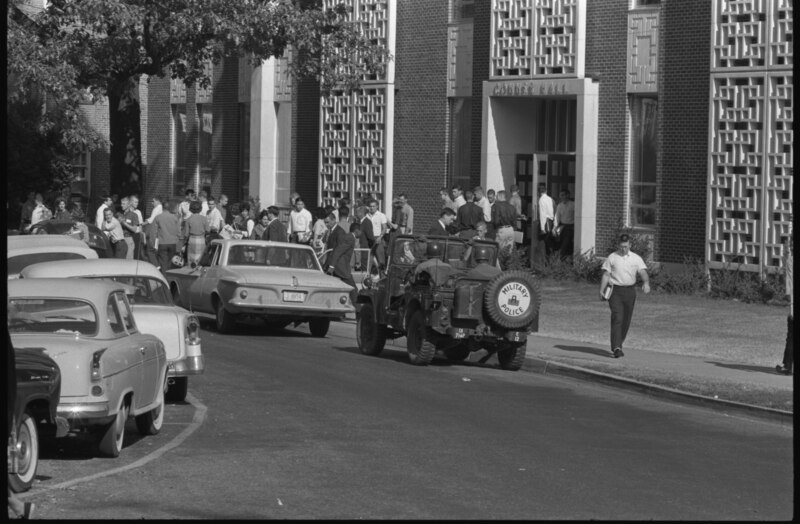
(319, 326)
(370, 335)
(225, 320)
(457, 353)
(178, 389)
(420, 350)
(28, 459)
(113, 434)
(150, 423)
(505, 313)
(512, 356)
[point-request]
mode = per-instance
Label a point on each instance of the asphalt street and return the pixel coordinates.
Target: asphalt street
(283, 425)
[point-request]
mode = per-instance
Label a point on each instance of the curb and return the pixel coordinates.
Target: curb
(542, 366)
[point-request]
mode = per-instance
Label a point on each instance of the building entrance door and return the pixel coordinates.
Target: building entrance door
(560, 175)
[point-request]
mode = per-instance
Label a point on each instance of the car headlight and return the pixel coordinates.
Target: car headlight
(243, 294)
(343, 299)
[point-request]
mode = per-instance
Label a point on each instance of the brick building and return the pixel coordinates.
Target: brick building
(673, 117)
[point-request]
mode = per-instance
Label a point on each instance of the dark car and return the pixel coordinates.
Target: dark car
(38, 393)
(92, 235)
(446, 294)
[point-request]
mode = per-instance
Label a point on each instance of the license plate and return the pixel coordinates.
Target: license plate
(293, 296)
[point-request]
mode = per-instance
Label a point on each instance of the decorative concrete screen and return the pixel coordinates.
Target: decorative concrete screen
(751, 137)
(643, 50)
(534, 37)
(354, 126)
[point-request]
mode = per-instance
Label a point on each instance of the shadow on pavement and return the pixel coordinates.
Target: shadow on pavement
(586, 349)
(744, 367)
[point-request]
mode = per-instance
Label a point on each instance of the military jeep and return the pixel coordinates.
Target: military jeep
(445, 294)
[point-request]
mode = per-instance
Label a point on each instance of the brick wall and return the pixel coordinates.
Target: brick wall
(685, 39)
(305, 141)
(420, 126)
(480, 73)
(226, 140)
(606, 49)
(158, 181)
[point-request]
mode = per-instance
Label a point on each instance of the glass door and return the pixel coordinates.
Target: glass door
(560, 175)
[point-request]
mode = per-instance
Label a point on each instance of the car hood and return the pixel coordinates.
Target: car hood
(284, 277)
(165, 322)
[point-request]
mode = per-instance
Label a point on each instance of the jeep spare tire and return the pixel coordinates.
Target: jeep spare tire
(512, 299)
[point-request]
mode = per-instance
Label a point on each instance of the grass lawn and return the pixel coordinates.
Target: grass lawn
(678, 324)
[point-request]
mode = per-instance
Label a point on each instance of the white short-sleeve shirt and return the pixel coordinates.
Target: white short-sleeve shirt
(623, 269)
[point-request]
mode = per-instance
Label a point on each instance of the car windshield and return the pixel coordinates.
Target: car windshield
(51, 315)
(273, 256)
(148, 290)
(19, 262)
(414, 250)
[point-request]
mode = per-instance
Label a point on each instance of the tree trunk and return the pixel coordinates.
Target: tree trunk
(126, 177)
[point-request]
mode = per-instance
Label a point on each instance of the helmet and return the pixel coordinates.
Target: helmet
(434, 250)
(482, 254)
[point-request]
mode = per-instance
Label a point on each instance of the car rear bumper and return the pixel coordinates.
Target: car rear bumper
(187, 366)
(292, 312)
(80, 414)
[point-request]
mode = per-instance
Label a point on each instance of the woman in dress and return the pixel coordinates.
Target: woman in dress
(194, 230)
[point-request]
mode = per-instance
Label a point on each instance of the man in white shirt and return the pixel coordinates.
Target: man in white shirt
(564, 224)
(203, 202)
(547, 217)
(214, 217)
(157, 209)
(458, 197)
(483, 202)
(300, 222)
(183, 210)
(99, 217)
(378, 219)
(620, 270)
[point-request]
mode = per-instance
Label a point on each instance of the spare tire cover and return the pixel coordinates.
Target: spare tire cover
(512, 299)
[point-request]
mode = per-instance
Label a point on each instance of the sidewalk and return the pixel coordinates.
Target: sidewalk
(726, 386)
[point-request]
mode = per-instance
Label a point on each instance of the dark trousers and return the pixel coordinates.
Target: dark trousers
(119, 248)
(788, 352)
(138, 246)
(567, 241)
(347, 278)
(165, 254)
(621, 303)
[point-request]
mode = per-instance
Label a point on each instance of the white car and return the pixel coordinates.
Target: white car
(24, 250)
(153, 309)
(109, 370)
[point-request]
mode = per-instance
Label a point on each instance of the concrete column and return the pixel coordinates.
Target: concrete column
(586, 167)
(263, 133)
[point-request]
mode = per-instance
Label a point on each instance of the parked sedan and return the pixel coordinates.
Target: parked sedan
(38, 389)
(24, 250)
(277, 281)
(109, 370)
(153, 309)
(90, 234)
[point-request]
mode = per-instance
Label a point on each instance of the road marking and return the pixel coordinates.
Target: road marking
(197, 421)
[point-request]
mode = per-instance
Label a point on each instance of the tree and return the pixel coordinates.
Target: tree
(110, 44)
(41, 143)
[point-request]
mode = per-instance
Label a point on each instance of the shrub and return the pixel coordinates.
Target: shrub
(516, 259)
(740, 285)
(556, 268)
(691, 280)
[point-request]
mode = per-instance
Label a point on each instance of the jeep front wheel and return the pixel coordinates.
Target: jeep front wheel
(511, 357)
(512, 299)
(420, 350)
(370, 335)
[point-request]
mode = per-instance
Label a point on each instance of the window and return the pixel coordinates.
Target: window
(125, 312)
(645, 3)
(462, 9)
(283, 180)
(460, 141)
(80, 170)
(244, 151)
(644, 157)
(181, 177)
(114, 319)
(205, 143)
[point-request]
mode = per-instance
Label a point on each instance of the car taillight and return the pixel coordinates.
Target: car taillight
(96, 371)
(192, 330)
